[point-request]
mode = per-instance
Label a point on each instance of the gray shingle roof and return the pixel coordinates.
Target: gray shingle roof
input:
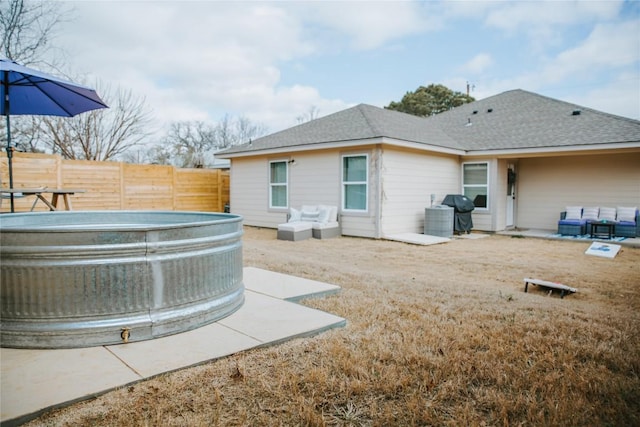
(511, 120)
(521, 119)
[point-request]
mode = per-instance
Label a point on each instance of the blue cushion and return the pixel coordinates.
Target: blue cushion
(572, 222)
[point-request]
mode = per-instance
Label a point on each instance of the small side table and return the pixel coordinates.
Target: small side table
(600, 228)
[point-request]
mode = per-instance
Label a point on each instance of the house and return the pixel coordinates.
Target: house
(521, 156)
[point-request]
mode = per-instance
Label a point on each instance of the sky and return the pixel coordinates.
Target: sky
(276, 61)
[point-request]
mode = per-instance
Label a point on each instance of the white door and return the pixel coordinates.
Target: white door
(511, 195)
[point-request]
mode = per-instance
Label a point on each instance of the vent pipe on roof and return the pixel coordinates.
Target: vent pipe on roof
(490, 110)
(576, 112)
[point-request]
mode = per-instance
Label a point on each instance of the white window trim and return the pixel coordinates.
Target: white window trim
(478, 185)
(286, 184)
(366, 183)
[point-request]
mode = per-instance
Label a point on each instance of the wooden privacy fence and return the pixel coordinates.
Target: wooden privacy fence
(116, 185)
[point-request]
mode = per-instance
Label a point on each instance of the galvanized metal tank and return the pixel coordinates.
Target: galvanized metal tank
(81, 278)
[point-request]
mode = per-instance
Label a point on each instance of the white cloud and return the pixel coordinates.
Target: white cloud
(608, 45)
(601, 71)
(191, 63)
(478, 63)
(528, 15)
(199, 60)
(371, 24)
(620, 96)
(545, 23)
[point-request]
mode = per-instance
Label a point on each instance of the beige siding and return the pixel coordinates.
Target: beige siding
(408, 180)
(364, 224)
(547, 185)
(314, 179)
(249, 192)
(487, 219)
(500, 194)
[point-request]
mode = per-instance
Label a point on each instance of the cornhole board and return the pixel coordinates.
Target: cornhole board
(564, 289)
(605, 250)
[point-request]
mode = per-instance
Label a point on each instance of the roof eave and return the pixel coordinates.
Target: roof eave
(345, 144)
(619, 147)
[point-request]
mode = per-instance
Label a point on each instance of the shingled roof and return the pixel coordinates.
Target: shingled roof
(519, 119)
(512, 120)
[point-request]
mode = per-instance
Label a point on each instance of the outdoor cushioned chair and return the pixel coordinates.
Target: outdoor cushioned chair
(575, 220)
(571, 222)
(627, 222)
(319, 221)
(294, 231)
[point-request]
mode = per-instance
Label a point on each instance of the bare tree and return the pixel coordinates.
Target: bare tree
(99, 134)
(246, 130)
(192, 143)
(27, 29)
(158, 154)
(230, 132)
(312, 114)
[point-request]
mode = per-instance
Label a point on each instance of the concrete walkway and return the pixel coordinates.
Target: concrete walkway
(35, 381)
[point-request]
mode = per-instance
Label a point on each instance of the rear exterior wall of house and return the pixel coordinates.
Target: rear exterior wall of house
(408, 179)
(547, 185)
(313, 177)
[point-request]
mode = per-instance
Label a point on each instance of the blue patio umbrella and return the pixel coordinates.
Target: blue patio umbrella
(25, 91)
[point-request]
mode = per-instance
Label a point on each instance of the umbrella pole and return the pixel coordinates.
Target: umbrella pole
(10, 160)
(5, 82)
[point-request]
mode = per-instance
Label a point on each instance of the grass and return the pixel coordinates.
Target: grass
(436, 335)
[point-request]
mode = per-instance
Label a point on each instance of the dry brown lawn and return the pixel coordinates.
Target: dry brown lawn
(436, 335)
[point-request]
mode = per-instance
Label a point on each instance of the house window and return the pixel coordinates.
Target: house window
(278, 184)
(354, 182)
(475, 183)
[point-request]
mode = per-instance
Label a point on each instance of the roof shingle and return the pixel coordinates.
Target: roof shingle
(515, 119)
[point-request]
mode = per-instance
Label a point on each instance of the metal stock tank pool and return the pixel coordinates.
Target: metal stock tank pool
(88, 278)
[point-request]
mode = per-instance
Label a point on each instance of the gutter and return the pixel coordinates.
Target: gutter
(619, 147)
(344, 144)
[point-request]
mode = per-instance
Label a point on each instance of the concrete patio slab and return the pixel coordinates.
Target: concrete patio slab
(417, 239)
(35, 381)
(153, 357)
(285, 287)
(271, 320)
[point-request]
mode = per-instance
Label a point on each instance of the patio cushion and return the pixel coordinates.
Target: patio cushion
(295, 215)
(334, 214)
(574, 212)
(324, 212)
(325, 225)
(627, 214)
(572, 221)
(625, 223)
(294, 226)
(607, 213)
(590, 213)
(309, 216)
